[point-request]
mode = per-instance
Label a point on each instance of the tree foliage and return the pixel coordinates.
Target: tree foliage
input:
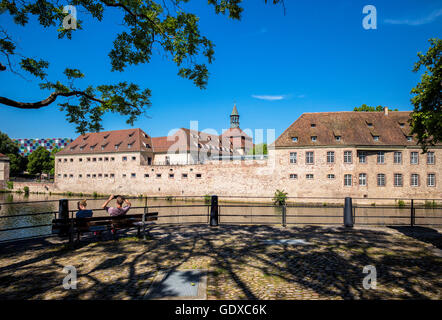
(365, 108)
(149, 26)
(426, 119)
(258, 149)
(40, 161)
(7, 146)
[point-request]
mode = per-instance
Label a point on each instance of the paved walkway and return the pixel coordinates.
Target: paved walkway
(240, 264)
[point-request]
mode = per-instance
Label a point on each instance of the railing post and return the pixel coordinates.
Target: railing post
(348, 210)
(412, 213)
(63, 213)
(214, 211)
(284, 215)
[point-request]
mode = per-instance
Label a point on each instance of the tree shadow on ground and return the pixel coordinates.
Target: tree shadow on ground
(240, 264)
(424, 234)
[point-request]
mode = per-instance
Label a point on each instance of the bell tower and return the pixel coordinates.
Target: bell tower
(234, 118)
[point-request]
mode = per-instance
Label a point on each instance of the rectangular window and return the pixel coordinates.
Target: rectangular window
(124, 175)
(100, 175)
(59, 160)
(431, 180)
(72, 160)
(133, 175)
(293, 176)
(414, 180)
(347, 157)
(198, 175)
(347, 180)
(309, 158)
(314, 138)
(184, 175)
(100, 159)
(80, 176)
(293, 157)
(331, 176)
(430, 157)
(81, 159)
(362, 157)
(330, 156)
(112, 175)
(94, 159)
(381, 157)
(398, 180)
(88, 175)
(414, 158)
(146, 175)
(106, 158)
(397, 157)
(362, 179)
(295, 139)
(171, 175)
(158, 175)
(124, 158)
(112, 159)
(134, 158)
(94, 175)
(309, 176)
(71, 176)
(381, 180)
(106, 175)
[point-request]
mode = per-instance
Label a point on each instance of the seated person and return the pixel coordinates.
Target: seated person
(119, 210)
(82, 211)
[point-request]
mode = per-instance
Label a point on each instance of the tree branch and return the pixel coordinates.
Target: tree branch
(40, 104)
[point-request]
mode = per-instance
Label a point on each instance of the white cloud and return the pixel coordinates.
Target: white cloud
(268, 98)
(417, 22)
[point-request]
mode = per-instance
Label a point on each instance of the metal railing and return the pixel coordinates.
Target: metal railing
(238, 213)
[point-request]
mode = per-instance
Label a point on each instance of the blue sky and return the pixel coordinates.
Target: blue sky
(317, 57)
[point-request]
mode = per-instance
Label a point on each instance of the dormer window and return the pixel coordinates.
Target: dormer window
(131, 134)
(85, 138)
(106, 136)
(313, 138)
(73, 147)
(82, 147)
(294, 139)
(129, 145)
(401, 124)
(313, 125)
(92, 147)
(376, 138)
(117, 146)
(103, 146)
(338, 138)
(370, 124)
(409, 138)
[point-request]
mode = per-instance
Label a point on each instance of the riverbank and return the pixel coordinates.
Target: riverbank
(240, 264)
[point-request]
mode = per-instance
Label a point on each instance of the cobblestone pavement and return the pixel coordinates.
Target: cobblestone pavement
(240, 264)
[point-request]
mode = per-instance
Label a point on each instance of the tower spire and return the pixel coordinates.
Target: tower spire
(234, 118)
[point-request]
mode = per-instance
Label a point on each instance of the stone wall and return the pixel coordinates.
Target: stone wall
(257, 178)
(40, 187)
(4, 173)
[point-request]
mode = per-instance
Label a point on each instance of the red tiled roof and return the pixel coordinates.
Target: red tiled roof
(354, 128)
(235, 132)
(104, 142)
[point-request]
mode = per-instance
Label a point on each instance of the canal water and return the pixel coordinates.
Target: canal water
(34, 213)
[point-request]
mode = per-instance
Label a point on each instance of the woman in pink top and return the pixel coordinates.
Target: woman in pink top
(119, 210)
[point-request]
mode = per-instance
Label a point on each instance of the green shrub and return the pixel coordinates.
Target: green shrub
(280, 197)
(95, 194)
(169, 198)
(401, 203)
(430, 204)
(207, 198)
(373, 204)
(10, 185)
(26, 190)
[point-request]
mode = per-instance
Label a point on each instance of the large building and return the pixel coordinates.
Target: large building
(27, 146)
(330, 154)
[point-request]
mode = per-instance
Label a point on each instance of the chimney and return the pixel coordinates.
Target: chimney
(386, 111)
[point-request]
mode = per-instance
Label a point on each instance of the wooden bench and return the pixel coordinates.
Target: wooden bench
(69, 227)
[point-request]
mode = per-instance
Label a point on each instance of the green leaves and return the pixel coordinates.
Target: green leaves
(40, 161)
(426, 120)
(34, 67)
